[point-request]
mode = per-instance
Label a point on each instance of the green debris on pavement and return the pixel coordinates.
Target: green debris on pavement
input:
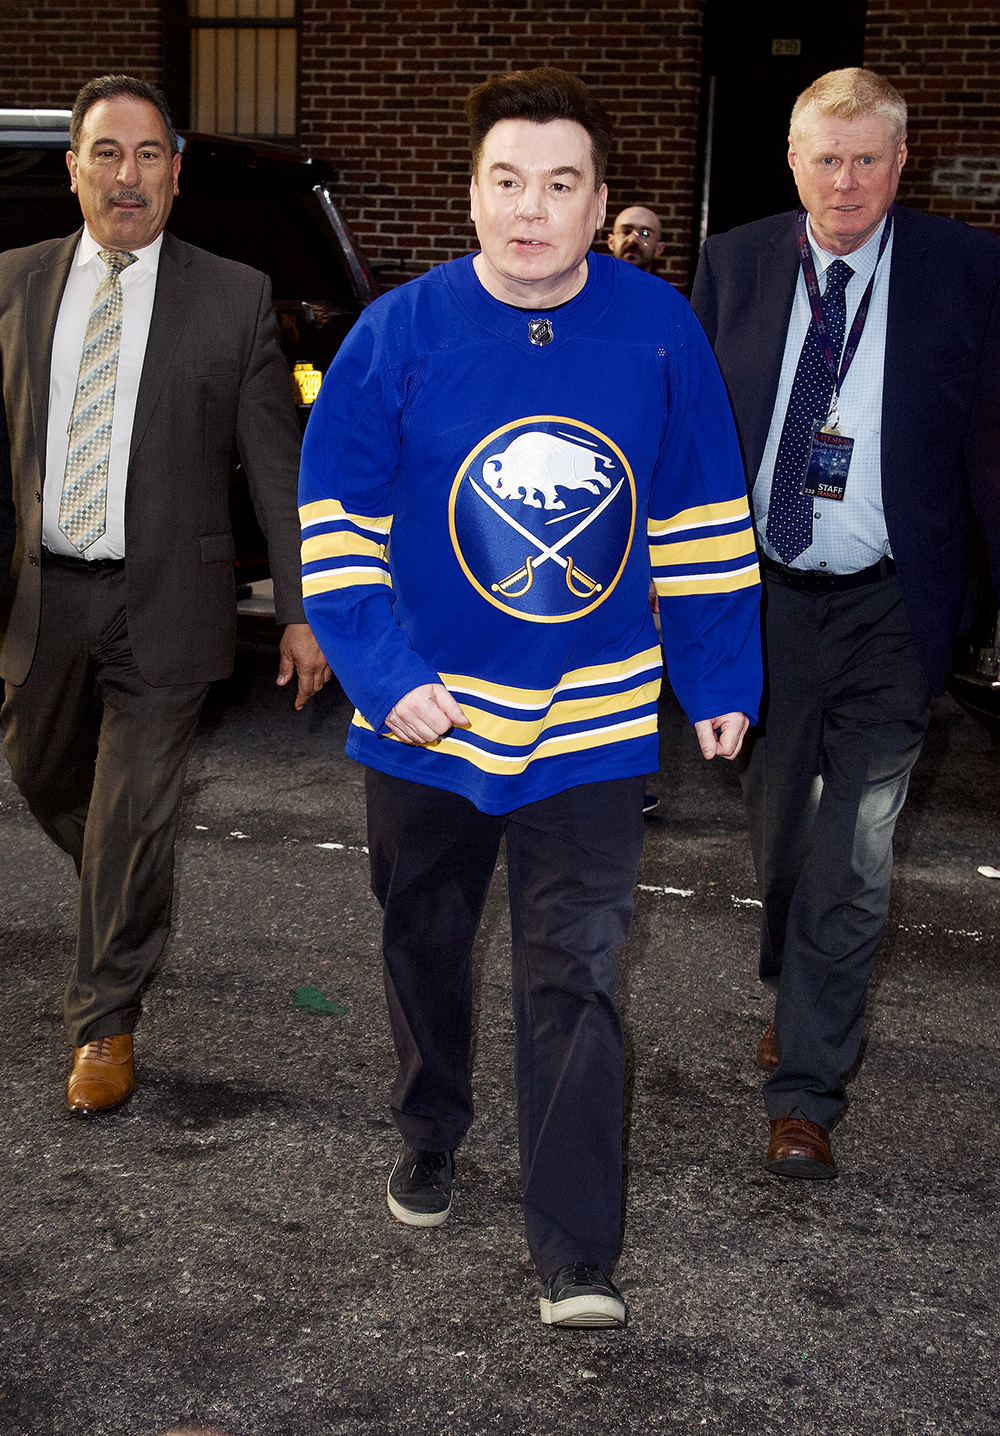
(313, 1001)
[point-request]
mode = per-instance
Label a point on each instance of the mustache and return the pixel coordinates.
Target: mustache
(128, 196)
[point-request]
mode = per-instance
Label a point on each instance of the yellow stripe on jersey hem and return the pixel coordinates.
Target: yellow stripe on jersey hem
(579, 742)
(322, 511)
(716, 548)
(330, 579)
(527, 733)
(702, 516)
(340, 544)
(533, 699)
(519, 733)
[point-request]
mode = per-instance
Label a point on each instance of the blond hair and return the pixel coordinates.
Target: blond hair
(851, 94)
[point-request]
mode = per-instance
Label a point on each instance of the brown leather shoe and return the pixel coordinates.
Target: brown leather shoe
(767, 1052)
(103, 1075)
(799, 1148)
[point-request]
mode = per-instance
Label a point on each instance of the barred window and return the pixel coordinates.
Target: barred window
(244, 67)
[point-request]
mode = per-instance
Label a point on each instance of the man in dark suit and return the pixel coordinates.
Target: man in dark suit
(860, 343)
(135, 370)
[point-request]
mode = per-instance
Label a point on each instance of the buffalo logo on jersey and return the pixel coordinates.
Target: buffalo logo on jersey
(542, 514)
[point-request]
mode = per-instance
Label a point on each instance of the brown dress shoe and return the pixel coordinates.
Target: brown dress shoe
(799, 1148)
(103, 1075)
(767, 1052)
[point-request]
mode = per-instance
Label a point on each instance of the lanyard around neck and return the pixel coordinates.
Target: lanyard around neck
(816, 301)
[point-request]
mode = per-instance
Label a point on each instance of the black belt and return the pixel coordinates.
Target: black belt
(813, 580)
(93, 565)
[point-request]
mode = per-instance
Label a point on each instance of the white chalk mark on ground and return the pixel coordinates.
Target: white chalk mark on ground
(944, 931)
(341, 848)
(745, 902)
(666, 892)
(989, 872)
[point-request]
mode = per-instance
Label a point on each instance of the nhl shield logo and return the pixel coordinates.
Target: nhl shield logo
(542, 514)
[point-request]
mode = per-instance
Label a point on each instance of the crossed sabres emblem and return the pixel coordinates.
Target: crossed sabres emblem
(525, 575)
(532, 467)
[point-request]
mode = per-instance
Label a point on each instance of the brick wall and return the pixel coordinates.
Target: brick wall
(48, 51)
(382, 83)
(944, 58)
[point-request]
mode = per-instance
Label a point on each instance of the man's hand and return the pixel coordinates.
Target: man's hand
(426, 714)
(722, 737)
(301, 654)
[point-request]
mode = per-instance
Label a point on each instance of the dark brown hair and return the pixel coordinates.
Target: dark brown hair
(539, 95)
(110, 87)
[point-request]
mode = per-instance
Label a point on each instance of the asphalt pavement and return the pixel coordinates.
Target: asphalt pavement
(219, 1252)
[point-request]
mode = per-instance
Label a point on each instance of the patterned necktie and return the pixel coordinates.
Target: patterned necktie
(789, 512)
(84, 500)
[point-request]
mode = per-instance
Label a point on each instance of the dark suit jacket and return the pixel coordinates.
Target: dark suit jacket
(214, 386)
(941, 395)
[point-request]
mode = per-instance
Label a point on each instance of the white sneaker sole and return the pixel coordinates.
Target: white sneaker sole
(415, 1219)
(582, 1311)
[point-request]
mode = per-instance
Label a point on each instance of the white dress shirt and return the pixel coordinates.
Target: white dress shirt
(138, 283)
(848, 534)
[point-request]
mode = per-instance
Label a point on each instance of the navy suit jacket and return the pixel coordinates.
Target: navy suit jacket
(941, 393)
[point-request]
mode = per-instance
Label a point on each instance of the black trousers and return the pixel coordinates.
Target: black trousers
(846, 708)
(99, 756)
(572, 862)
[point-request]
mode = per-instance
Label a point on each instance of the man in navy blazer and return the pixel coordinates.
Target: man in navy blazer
(866, 575)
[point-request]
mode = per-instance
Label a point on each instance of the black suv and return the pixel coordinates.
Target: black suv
(265, 205)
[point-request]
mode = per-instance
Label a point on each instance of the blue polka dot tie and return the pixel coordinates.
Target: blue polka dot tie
(789, 512)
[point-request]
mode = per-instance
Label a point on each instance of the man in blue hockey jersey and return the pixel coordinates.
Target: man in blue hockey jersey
(500, 454)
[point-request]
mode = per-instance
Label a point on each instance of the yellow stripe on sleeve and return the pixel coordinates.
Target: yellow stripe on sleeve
(331, 579)
(323, 511)
(702, 516)
(342, 543)
(708, 582)
(715, 548)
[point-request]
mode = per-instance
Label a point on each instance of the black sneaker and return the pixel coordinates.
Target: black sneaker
(649, 802)
(581, 1295)
(419, 1187)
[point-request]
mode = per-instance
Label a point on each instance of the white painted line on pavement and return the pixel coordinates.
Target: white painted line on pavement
(944, 931)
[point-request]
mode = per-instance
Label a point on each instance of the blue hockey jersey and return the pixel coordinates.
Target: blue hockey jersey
(484, 511)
